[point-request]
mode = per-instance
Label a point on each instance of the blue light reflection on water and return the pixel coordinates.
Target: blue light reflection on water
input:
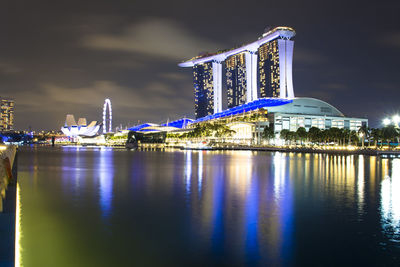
(251, 191)
(188, 170)
(251, 218)
(105, 169)
(283, 193)
(200, 171)
(217, 220)
(73, 172)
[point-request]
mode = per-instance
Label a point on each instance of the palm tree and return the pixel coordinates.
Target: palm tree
(389, 133)
(284, 134)
(354, 137)
(364, 131)
(314, 134)
(335, 134)
(346, 134)
(302, 134)
(376, 134)
(268, 133)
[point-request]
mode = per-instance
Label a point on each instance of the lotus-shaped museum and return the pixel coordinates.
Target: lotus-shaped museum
(73, 129)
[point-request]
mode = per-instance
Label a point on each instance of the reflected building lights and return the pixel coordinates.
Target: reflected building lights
(106, 175)
(360, 184)
(279, 177)
(18, 229)
(188, 170)
(390, 200)
(252, 214)
(200, 170)
(283, 195)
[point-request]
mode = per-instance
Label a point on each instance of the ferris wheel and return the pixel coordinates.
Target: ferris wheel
(107, 122)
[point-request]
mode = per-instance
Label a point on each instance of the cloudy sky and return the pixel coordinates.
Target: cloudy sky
(60, 57)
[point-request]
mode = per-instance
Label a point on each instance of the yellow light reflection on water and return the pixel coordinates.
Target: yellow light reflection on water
(360, 184)
(18, 232)
(390, 199)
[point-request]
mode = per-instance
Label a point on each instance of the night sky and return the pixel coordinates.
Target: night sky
(60, 57)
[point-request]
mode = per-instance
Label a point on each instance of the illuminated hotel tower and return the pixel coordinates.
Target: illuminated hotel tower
(260, 69)
(275, 68)
(203, 89)
(236, 80)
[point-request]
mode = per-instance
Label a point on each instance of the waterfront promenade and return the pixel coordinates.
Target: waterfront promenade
(8, 205)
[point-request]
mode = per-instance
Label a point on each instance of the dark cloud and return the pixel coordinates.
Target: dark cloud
(153, 37)
(391, 39)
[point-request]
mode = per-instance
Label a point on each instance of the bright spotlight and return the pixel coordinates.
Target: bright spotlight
(386, 121)
(396, 119)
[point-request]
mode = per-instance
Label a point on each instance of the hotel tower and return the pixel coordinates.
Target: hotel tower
(261, 69)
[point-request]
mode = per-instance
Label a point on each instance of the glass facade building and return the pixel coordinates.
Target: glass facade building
(203, 89)
(269, 71)
(236, 80)
(7, 115)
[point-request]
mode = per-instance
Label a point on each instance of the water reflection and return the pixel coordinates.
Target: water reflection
(208, 208)
(258, 204)
(279, 175)
(283, 195)
(105, 169)
(74, 167)
(200, 170)
(360, 184)
(188, 169)
(390, 201)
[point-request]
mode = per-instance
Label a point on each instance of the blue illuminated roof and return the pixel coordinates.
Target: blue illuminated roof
(254, 105)
(139, 127)
(181, 123)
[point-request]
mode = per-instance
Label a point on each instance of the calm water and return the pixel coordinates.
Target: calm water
(104, 207)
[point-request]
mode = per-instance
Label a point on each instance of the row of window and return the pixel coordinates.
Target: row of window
(293, 123)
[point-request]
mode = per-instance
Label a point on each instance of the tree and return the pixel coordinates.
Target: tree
(284, 134)
(364, 132)
(314, 134)
(376, 135)
(354, 137)
(346, 135)
(221, 130)
(292, 136)
(334, 134)
(302, 134)
(389, 133)
(268, 133)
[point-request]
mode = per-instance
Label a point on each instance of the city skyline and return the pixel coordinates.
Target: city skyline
(67, 58)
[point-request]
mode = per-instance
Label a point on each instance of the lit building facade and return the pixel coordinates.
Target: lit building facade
(203, 89)
(268, 67)
(307, 112)
(262, 68)
(73, 129)
(236, 80)
(259, 81)
(7, 115)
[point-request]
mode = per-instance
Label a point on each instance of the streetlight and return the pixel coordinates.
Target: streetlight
(386, 121)
(396, 119)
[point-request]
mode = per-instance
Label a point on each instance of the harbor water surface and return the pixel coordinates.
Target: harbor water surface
(112, 207)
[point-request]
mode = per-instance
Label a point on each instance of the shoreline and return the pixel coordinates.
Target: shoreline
(369, 152)
(365, 151)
